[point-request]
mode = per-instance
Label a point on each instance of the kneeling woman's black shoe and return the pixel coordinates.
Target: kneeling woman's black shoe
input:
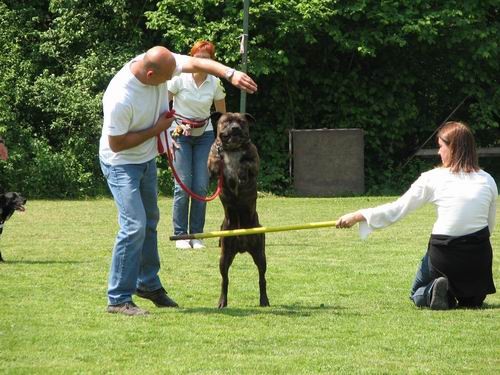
(439, 298)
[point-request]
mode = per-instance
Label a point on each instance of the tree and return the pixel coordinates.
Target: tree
(395, 69)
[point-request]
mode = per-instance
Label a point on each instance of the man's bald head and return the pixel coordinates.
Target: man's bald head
(159, 64)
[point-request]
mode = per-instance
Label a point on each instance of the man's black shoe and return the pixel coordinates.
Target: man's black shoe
(159, 297)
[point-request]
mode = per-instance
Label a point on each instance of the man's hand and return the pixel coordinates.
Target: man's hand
(243, 82)
(163, 123)
(132, 139)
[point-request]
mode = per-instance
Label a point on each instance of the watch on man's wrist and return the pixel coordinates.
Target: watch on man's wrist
(229, 74)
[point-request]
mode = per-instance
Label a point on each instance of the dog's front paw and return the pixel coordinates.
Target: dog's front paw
(222, 303)
(243, 176)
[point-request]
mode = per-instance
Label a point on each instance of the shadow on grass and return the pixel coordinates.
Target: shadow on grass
(7, 262)
(281, 310)
(486, 306)
(291, 244)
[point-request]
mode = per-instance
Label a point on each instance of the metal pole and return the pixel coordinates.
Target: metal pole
(244, 52)
(258, 230)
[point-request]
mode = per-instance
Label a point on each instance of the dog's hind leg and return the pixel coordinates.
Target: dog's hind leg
(259, 258)
(225, 261)
(1, 259)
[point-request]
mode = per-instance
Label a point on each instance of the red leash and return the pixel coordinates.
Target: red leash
(192, 194)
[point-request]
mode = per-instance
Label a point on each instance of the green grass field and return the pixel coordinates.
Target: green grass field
(339, 305)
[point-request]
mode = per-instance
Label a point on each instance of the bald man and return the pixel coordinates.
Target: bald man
(134, 105)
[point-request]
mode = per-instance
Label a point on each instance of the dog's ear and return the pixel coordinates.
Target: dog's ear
(214, 117)
(249, 118)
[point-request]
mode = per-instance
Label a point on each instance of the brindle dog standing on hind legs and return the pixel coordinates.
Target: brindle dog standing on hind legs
(235, 156)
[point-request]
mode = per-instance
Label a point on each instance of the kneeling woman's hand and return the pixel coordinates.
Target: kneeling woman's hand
(348, 220)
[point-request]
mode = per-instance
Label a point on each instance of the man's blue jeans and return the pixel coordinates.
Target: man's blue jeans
(135, 262)
(191, 166)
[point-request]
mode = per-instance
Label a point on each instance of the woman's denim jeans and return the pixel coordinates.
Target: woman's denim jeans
(422, 286)
(135, 262)
(191, 166)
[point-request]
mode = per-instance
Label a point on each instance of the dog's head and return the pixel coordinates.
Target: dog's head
(10, 202)
(233, 129)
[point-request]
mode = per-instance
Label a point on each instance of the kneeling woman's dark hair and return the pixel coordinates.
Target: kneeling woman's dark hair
(463, 155)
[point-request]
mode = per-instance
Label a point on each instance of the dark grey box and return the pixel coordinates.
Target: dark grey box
(327, 162)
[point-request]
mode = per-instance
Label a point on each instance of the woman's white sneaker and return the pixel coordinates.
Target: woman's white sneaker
(197, 244)
(182, 244)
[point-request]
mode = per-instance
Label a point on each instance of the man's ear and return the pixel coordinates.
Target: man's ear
(250, 118)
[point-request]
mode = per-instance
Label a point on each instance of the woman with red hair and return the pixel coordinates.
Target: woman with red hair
(458, 264)
(193, 95)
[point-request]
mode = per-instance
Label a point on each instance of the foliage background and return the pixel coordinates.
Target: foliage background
(396, 69)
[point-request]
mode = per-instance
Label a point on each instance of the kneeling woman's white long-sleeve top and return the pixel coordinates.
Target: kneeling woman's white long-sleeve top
(465, 203)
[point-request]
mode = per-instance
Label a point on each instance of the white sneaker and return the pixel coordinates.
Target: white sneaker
(197, 244)
(182, 244)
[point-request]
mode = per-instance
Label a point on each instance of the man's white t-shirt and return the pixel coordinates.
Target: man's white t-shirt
(194, 101)
(131, 106)
(465, 203)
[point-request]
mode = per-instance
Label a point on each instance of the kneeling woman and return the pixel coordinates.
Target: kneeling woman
(458, 264)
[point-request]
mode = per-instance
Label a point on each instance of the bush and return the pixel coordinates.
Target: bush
(394, 69)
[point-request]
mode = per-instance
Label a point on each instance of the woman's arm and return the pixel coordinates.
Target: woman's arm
(220, 106)
(493, 207)
(387, 214)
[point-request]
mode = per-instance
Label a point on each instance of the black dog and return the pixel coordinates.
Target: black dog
(9, 202)
(235, 156)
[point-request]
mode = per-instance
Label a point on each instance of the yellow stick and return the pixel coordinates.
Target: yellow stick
(258, 230)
